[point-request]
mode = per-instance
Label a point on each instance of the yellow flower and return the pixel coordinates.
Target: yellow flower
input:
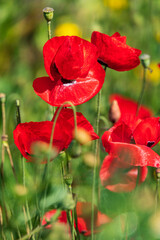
(157, 36)
(68, 29)
(116, 4)
(154, 76)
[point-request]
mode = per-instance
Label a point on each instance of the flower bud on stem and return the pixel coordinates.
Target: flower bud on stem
(145, 60)
(48, 15)
(18, 115)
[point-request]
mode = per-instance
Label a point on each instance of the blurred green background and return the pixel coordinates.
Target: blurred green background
(23, 32)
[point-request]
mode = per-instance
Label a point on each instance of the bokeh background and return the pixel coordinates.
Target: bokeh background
(23, 32)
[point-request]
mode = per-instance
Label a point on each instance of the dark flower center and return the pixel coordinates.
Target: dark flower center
(150, 143)
(102, 63)
(67, 82)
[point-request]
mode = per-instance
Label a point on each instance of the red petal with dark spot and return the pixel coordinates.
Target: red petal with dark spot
(26, 134)
(79, 91)
(71, 55)
(148, 132)
(114, 52)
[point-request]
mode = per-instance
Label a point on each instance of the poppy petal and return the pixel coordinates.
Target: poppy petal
(79, 91)
(49, 52)
(118, 176)
(75, 57)
(26, 134)
(66, 114)
(114, 52)
(148, 132)
(120, 132)
(136, 155)
(128, 109)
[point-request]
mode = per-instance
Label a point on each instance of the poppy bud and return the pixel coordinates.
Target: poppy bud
(74, 149)
(48, 13)
(20, 190)
(68, 179)
(158, 173)
(89, 159)
(145, 60)
(2, 95)
(82, 136)
(114, 112)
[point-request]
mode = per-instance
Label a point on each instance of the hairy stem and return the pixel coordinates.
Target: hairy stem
(142, 90)
(96, 161)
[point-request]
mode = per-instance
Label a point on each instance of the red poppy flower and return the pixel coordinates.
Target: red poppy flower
(83, 210)
(48, 215)
(27, 134)
(159, 65)
(114, 52)
(124, 157)
(74, 74)
(118, 176)
(128, 110)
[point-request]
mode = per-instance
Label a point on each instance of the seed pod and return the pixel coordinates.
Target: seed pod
(74, 149)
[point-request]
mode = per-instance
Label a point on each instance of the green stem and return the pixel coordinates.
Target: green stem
(76, 220)
(51, 142)
(49, 30)
(157, 187)
(73, 229)
(18, 115)
(3, 99)
(54, 124)
(142, 90)
(95, 163)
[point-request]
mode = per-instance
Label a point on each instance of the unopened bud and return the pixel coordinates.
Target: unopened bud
(74, 149)
(48, 13)
(20, 190)
(82, 136)
(145, 60)
(68, 179)
(89, 159)
(114, 112)
(158, 173)
(3, 97)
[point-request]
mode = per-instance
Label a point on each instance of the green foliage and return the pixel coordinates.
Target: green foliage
(23, 33)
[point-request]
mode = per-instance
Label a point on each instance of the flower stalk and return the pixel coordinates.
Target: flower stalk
(48, 15)
(4, 138)
(51, 142)
(145, 60)
(96, 162)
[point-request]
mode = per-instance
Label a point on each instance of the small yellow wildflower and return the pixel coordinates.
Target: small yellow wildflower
(116, 4)
(157, 36)
(154, 76)
(68, 29)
